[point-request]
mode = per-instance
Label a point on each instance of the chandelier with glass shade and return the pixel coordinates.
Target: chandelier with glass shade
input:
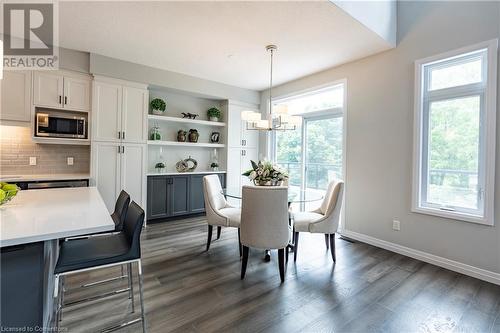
(278, 118)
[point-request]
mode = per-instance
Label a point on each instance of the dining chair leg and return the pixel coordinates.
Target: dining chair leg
(209, 239)
(296, 245)
(332, 247)
(219, 230)
(244, 261)
(281, 263)
(286, 255)
(131, 285)
(141, 293)
(239, 241)
(326, 241)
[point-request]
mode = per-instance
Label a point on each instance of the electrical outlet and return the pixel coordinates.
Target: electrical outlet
(70, 160)
(396, 225)
(32, 160)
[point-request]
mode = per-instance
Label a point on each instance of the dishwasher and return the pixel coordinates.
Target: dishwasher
(40, 185)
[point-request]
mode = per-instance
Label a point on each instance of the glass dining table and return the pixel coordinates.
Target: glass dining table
(295, 196)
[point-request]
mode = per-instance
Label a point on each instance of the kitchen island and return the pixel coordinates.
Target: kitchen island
(30, 228)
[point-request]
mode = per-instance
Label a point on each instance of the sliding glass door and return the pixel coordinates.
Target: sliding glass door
(313, 153)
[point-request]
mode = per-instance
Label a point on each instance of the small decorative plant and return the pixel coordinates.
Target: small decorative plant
(160, 166)
(158, 106)
(213, 114)
(214, 166)
(7, 192)
(266, 173)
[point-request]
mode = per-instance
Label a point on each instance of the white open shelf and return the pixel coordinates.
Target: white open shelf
(186, 121)
(186, 144)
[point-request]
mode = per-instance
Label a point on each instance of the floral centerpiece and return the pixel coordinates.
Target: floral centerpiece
(265, 173)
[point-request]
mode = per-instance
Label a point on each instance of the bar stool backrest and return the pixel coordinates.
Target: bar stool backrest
(132, 228)
(121, 207)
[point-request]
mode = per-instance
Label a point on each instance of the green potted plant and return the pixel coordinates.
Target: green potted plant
(264, 173)
(213, 114)
(214, 166)
(158, 106)
(160, 166)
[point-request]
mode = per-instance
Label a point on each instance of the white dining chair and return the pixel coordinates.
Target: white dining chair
(264, 222)
(219, 212)
(324, 220)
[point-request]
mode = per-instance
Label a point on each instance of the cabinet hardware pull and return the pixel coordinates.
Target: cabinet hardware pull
(60, 99)
(118, 149)
(123, 149)
(119, 135)
(123, 135)
(65, 99)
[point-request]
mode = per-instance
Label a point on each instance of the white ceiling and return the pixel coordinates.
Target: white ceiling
(220, 41)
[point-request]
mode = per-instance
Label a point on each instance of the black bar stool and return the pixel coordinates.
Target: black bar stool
(102, 252)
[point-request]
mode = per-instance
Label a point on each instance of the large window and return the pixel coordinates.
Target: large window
(313, 154)
(455, 134)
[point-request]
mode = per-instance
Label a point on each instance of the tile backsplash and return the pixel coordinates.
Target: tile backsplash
(16, 148)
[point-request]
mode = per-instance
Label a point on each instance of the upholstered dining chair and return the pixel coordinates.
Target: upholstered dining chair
(219, 212)
(323, 220)
(264, 222)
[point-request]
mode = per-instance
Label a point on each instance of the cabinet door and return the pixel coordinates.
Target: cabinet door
(107, 101)
(48, 89)
(249, 138)
(247, 155)
(76, 93)
(133, 171)
(233, 180)
(158, 197)
(134, 111)
(106, 171)
(197, 201)
(179, 195)
(234, 126)
(15, 96)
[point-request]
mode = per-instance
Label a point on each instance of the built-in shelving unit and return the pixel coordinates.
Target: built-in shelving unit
(186, 121)
(187, 144)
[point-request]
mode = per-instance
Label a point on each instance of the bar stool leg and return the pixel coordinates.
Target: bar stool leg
(131, 285)
(61, 305)
(142, 296)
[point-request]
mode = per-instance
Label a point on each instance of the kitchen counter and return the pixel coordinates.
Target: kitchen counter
(43, 177)
(175, 173)
(40, 215)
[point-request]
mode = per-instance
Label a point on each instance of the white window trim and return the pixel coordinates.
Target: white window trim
(490, 136)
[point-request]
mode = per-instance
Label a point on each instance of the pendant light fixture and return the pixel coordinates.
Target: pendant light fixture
(277, 118)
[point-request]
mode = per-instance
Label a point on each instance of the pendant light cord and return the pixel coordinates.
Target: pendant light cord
(271, 87)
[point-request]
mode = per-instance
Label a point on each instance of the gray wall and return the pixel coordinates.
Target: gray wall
(380, 132)
(120, 69)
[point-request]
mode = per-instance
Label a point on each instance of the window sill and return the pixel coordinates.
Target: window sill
(454, 215)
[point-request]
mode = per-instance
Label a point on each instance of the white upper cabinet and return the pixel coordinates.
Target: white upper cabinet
(61, 90)
(107, 100)
(48, 89)
(119, 111)
(15, 96)
(135, 109)
(237, 133)
(76, 94)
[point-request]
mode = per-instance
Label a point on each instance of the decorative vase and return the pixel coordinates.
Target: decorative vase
(181, 136)
(155, 133)
(214, 137)
(193, 135)
(213, 118)
(215, 168)
(267, 182)
(158, 112)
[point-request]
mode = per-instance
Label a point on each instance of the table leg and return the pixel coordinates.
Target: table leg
(267, 256)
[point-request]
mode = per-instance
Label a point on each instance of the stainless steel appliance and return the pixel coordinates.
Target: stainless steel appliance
(38, 185)
(60, 125)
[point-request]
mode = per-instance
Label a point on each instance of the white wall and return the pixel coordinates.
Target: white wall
(380, 133)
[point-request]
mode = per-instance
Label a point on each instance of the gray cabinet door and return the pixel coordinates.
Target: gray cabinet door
(179, 190)
(158, 197)
(197, 201)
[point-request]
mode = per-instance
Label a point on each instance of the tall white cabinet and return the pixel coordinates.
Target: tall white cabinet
(243, 144)
(119, 133)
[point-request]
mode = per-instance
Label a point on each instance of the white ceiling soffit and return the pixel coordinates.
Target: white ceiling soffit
(220, 41)
(379, 16)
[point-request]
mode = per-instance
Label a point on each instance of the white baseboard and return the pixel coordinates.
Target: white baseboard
(456, 266)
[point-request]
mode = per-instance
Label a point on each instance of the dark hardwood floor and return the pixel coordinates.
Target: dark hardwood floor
(368, 290)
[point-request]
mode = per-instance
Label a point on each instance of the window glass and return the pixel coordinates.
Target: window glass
(324, 99)
(458, 74)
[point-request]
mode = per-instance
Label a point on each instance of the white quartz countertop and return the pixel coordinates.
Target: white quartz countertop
(35, 177)
(40, 215)
(175, 173)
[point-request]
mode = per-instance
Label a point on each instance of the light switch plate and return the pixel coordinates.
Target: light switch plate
(70, 160)
(32, 160)
(396, 225)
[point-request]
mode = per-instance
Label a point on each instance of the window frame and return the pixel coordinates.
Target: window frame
(486, 90)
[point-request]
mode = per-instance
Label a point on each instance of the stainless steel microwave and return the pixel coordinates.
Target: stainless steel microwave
(60, 126)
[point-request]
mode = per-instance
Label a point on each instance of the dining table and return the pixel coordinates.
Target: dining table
(295, 196)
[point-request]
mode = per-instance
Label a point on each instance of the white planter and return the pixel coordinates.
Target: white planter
(213, 119)
(158, 112)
